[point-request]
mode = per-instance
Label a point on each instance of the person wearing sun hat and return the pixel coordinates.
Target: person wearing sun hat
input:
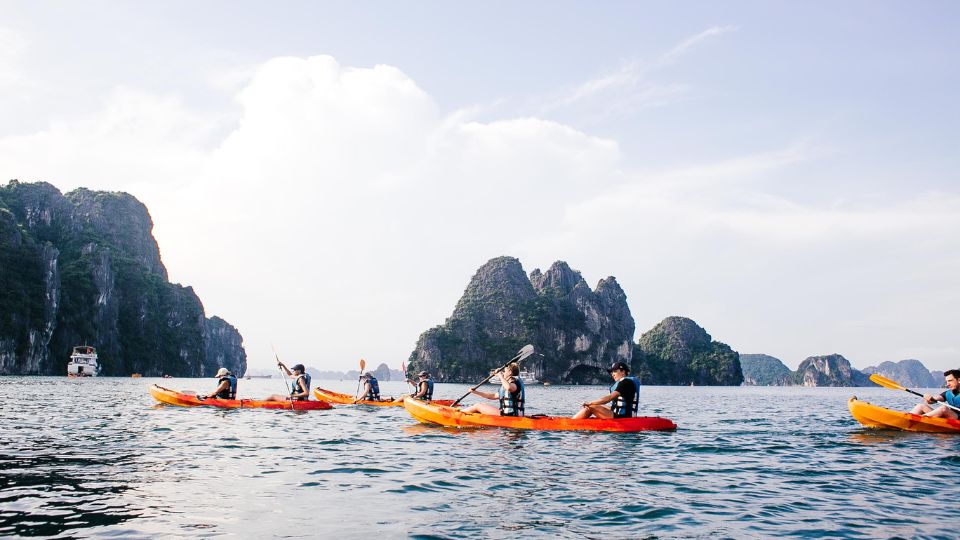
(624, 395)
(227, 389)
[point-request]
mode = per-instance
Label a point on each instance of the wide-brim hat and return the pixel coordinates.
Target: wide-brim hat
(423, 374)
(222, 372)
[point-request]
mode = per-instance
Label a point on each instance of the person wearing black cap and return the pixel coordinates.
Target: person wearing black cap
(299, 388)
(624, 395)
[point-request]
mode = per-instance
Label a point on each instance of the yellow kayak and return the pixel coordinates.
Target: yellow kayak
(873, 416)
(347, 399)
(442, 415)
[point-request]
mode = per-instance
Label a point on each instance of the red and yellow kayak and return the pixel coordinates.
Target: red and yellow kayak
(431, 413)
(347, 399)
(873, 416)
(172, 397)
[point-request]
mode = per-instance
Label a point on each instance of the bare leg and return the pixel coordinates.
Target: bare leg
(922, 408)
(482, 408)
(942, 412)
(594, 410)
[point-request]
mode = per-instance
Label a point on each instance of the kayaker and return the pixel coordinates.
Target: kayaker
(424, 387)
(227, 389)
(624, 395)
(299, 388)
(511, 395)
(371, 388)
(950, 397)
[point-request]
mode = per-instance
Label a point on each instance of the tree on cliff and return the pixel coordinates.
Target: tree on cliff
(578, 331)
(679, 352)
(84, 268)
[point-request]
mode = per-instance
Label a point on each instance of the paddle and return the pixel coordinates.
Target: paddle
(893, 385)
(403, 368)
(282, 373)
(521, 354)
(363, 364)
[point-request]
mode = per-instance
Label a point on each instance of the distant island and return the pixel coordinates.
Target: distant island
(834, 370)
(84, 268)
(578, 332)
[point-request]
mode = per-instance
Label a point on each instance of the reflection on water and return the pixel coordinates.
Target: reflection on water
(99, 458)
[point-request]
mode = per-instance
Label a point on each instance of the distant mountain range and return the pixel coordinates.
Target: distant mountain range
(834, 370)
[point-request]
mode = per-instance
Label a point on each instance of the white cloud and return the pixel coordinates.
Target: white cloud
(344, 213)
(688, 44)
(628, 89)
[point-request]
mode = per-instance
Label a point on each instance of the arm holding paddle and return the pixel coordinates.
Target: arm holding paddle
(521, 354)
(947, 410)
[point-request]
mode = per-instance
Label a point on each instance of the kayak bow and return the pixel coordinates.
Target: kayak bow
(172, 397)
(431, 413)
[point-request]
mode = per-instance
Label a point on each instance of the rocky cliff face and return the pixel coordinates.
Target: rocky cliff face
(910, 373)
(829, 370)
(578, 331)
(679, 352)
(763, 370)
(84, 268)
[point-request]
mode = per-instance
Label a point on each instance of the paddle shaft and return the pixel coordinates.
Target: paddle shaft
(282, 373)
(935, 401)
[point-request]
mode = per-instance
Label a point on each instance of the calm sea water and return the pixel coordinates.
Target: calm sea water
(97, 458)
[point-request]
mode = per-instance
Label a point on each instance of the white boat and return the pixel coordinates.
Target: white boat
(83, 362)
(525, 376)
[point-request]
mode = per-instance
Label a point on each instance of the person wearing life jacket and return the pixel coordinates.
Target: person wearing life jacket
(424, 387)
(371, 388)
(299, 388)
(950, 397)
(624, 396)
(511, 395)
(227, 389)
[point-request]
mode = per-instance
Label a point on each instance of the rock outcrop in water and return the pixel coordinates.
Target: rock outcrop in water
(910, 373)
(84, 268)
(763, 370)
(578, 331)
(679, 352)
(829, 370)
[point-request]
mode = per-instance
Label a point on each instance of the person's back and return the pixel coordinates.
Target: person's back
(227, 387)
(373, 392)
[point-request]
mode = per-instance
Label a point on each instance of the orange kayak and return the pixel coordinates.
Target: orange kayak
(347, 399)
(873, 416)
(172, 397)
(431, 413)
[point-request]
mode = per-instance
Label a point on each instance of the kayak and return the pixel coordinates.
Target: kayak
(347, 399)
(431, 413)
(172, 397)
(874, 416)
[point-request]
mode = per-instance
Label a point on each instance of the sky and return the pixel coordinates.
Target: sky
(328, 176)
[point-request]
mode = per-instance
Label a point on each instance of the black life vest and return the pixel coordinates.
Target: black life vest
(428, 395)
(624, 407)
(511, 403)
(306, 383)
(229, 393)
